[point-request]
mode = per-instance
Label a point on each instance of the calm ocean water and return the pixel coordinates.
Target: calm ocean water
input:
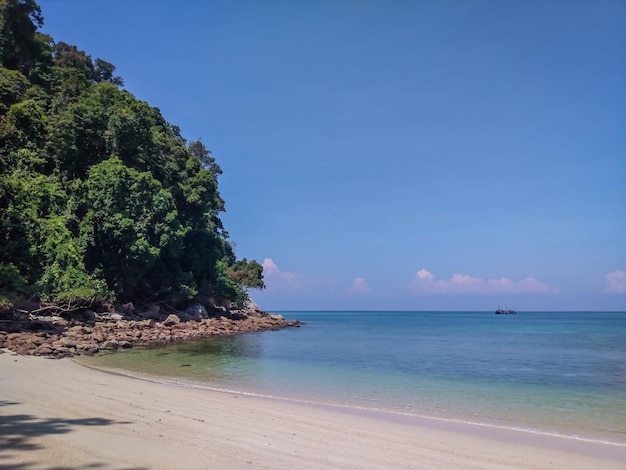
(550, 372)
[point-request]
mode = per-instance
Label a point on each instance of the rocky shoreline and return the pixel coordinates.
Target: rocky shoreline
(90, 333)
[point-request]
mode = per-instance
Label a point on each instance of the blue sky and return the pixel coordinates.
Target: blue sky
(408, 155)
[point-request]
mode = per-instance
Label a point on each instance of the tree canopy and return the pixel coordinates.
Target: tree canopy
(100, 197)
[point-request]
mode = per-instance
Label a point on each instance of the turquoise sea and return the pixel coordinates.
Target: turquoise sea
(561, 373)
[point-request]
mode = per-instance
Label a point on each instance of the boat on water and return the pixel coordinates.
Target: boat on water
(505, 311)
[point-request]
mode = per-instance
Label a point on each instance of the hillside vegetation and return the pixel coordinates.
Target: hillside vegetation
(101, 199)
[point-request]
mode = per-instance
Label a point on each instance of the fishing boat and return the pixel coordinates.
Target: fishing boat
(505, 311)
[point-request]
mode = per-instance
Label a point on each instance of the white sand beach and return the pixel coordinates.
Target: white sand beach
(57, 414)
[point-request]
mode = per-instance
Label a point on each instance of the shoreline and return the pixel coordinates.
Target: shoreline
(127, 422)
(491, 428)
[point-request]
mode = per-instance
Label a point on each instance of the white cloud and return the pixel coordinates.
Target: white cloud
(424, 275)
(616, 282)
(359, 286)
(271, 271)
(425, 283)
(277, 280)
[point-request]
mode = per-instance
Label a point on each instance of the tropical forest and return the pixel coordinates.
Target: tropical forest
(101, 199)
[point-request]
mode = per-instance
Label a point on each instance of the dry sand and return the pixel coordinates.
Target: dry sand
(57, 414)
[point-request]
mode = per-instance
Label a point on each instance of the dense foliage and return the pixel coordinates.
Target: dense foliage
(100, 197)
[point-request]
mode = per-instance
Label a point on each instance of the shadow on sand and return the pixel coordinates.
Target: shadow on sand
(19, 433)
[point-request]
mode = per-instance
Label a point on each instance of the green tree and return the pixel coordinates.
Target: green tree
(13, 85)
(131, 219)
(198, 150)
(247, 274)
(65, 278)
(104, 73)
(25, 124)
(20, 47)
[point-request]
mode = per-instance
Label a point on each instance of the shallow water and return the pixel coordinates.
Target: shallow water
(552, 372)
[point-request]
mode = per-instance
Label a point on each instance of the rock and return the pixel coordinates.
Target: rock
(98, 333)
(197, 312)
(38, 325)
(220, 310)
(38, 335)
(89, 315)
(109, 345)
(252, 306)
(109, 316)
(59, 321)
(67, 342)
(172, 319)
(44, 350)
(23, 350)
(62, 351)
(153, 311)
(237, 315)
